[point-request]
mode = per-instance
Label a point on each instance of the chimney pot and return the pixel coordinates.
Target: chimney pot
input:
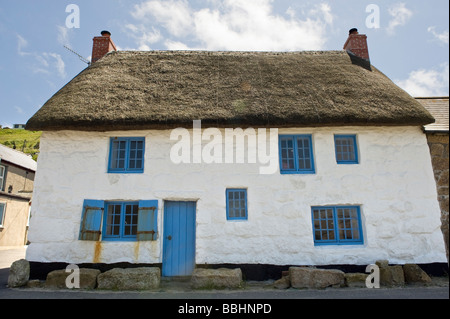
(353, 31)
(106, 33)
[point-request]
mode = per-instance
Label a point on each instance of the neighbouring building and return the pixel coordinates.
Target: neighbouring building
(17, 172)
(256, 160)
(438, 137)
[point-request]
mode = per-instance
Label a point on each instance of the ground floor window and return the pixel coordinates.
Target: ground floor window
(2, 213)
(337, 225)
(121, 221)
(236, 204)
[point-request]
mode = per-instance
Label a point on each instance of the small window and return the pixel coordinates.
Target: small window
(346, 149)
(2, 176)
(236, 204)
(339, 225)
(127, 155)
(121, 220)
(2, 213)
(296, 154)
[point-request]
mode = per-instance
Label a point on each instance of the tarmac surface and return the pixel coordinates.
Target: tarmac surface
(180, 289)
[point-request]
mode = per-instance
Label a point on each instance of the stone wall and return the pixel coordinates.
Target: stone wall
(439, 150)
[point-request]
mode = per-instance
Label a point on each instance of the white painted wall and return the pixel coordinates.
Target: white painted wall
(393, 183)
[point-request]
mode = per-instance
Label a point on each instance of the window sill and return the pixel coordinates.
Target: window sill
(125, 172)
(297, 172)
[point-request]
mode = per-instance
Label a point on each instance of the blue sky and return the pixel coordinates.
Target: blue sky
(408, 40)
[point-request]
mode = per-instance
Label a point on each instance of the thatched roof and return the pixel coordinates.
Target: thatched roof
(166, 89)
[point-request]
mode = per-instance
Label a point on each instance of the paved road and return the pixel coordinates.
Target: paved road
(254, 291)
(252, 294)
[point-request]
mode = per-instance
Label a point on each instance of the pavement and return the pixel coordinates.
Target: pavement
(8, 255)
(180, 289)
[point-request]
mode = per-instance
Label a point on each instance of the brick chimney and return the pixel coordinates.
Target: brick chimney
(356, 47)
(102, 45)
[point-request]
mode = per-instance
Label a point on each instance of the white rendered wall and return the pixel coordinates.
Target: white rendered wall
(393, 184)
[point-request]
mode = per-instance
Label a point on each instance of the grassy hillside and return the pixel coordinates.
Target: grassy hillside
(21, 140)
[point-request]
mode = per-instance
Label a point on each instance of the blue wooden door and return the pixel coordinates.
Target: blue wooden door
(179, 239)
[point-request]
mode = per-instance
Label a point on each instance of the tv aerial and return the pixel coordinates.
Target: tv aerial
(78, 55)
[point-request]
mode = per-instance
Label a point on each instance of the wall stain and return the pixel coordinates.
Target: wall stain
(136, 251)
(97, 252)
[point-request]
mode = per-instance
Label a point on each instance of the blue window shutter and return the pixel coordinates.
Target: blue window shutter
(91, 220)
(147, 228)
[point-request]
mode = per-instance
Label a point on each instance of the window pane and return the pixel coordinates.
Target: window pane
(136, 153)
(317, 235)
(323, 225)
(113, 220)
(118, 154)
(130, 226)
(304, 153)
(287, 154)
(2, 212)
(348, 223)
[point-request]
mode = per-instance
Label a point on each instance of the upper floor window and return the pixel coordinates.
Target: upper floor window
(346, 149)
(296, 154)
(126, 155)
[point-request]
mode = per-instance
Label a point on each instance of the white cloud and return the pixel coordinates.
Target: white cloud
(400, 16)
(441, 37)
(45, 62)
(424, 83)
(174, 15)
(233, 25)
(144, 37)
(58, 63)
(19, 110)
(63, 35)
(22, 43)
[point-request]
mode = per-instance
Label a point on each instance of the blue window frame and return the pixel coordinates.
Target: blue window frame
(237, 204)
(296, 154)
(346, 149)
(337, 225)
(126, 155)
(121, 221)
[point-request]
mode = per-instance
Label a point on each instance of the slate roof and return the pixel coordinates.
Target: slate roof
(438, 107)
(18, 158)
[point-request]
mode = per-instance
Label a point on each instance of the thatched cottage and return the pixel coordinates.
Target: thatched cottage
(258, 159)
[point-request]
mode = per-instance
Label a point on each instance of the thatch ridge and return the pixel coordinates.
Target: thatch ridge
(165, 89)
